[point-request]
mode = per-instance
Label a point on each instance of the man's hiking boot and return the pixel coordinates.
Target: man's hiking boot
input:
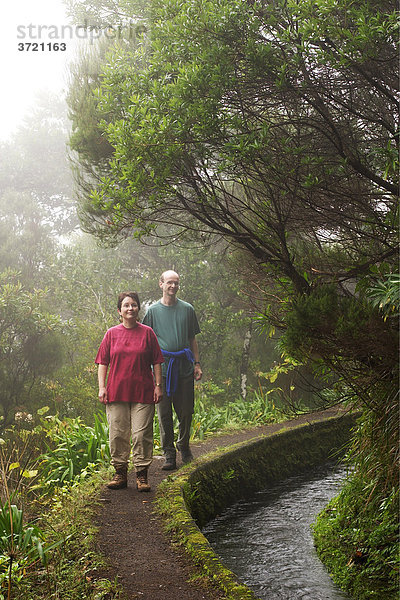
(186, 456)
(170, 464)
(141, 481)
(120, 480)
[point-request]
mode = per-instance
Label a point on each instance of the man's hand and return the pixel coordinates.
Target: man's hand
(198, 373)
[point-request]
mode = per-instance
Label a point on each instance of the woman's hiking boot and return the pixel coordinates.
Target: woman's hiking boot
(141, 481)
(120, 479)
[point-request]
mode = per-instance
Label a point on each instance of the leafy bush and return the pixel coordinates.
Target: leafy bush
(358, 541)
(385, 295)
(30, 343)
(209, 418)
(22, 546)
(357, 535)
(74, 450)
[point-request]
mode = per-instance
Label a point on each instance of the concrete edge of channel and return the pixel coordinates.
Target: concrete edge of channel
(198, 492)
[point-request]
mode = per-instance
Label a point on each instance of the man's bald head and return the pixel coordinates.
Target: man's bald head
(168, 275)
(169, 283)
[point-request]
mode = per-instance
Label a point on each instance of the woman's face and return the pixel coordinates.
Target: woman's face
(129, 311)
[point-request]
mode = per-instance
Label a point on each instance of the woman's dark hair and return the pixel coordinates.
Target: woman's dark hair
(124, 295)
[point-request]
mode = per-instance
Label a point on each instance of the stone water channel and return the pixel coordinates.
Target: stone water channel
(267, 541)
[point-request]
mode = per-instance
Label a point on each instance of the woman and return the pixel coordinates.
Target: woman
(129, 350)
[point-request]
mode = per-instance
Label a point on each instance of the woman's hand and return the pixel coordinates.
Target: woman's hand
(158, 394)
(158, 387)
(103, 395)
(101, 375)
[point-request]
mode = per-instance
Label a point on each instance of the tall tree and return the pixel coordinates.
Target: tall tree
(30, 346)
(244, 103)
(33, 163)
(27, 244)
(274, 126)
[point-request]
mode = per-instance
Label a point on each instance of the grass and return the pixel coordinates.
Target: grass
(358, 541)
(66, 482)
(53, 556)
(210, 419)
(58, 486)
(73, 569)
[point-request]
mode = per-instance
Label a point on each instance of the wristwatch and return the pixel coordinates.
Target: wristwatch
(158, 384)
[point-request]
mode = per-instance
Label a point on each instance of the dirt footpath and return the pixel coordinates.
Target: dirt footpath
(132, 539)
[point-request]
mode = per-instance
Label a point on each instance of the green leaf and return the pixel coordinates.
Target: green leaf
(30, 474)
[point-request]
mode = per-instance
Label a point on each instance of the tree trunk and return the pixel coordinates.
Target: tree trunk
(245, 361)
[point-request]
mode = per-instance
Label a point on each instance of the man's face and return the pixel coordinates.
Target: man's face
(170, 284)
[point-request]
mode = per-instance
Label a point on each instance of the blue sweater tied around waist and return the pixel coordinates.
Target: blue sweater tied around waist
(173, 367)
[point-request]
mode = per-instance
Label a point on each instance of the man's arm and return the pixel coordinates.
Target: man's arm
(198, 373)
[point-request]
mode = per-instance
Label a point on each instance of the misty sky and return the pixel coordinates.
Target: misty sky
(26, 71)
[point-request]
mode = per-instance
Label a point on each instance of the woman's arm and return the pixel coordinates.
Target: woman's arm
(101, 375)
(158, 391)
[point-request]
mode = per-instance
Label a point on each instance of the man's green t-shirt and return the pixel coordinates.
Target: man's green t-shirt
(174, 326)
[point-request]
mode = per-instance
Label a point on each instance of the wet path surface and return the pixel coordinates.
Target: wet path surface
(268, 543)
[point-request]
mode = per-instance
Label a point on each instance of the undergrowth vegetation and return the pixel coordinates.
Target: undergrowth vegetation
(46, 508)
(357, 534)
(357, 539)
(51, 471)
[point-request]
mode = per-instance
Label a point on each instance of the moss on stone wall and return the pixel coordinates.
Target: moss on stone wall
(200, 491)
(239, 472)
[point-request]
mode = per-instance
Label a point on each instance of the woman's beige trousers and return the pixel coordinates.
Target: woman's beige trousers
(130, 423)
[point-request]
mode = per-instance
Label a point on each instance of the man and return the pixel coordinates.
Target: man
(175, 325)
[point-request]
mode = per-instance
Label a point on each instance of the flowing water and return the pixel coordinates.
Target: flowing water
(267, 541)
